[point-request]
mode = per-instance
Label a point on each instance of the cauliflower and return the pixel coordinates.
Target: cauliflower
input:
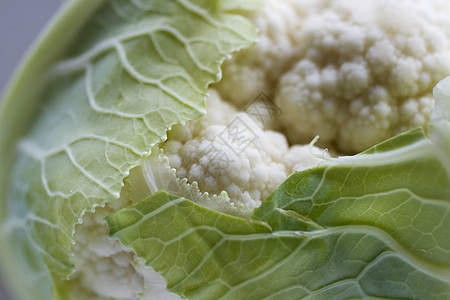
(354, 73)
(343, 75)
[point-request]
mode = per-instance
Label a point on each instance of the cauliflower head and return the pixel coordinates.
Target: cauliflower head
(354, 73)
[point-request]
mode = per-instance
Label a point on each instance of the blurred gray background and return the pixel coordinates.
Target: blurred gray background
(20, 22)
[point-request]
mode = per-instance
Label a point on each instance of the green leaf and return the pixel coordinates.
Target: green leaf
(372, 225)
(403, 191)
(204, 254)
(237, 5)
(134, 70)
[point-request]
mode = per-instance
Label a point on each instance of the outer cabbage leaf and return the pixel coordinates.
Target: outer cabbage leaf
(135, 69)
(374, 225)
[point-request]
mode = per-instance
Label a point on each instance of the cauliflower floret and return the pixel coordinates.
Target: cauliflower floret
(257, 68)
(104, 266)
(354, 73)
(228, 151)
(105, 269)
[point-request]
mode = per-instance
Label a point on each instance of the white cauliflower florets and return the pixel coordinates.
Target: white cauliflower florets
(228, 151)
(104, 266)
(105, 269)
(355, 72)
(257, 69)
